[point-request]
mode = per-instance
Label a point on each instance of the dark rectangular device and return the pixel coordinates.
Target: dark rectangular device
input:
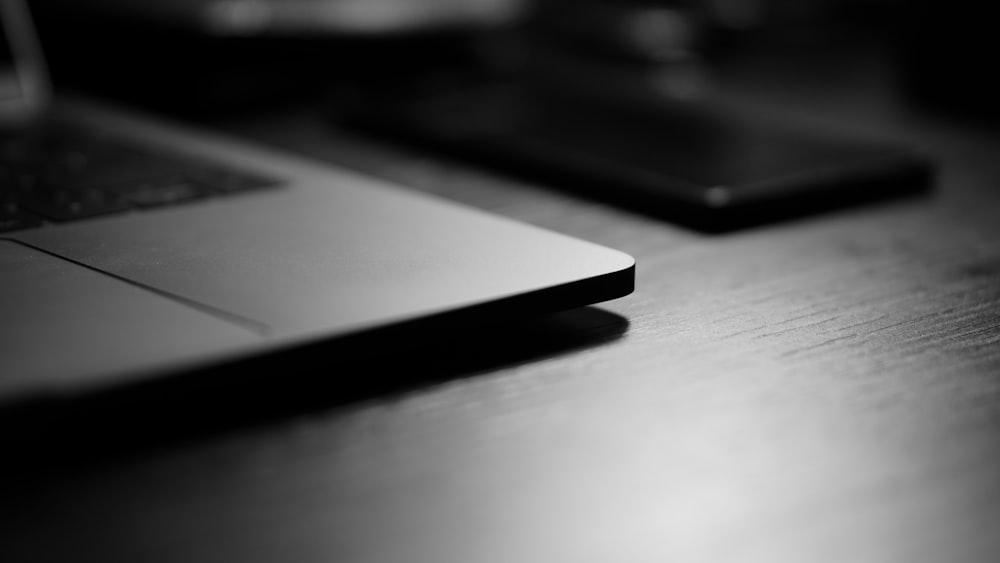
(694, 163)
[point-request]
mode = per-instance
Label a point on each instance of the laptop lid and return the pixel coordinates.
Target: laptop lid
(24, 81)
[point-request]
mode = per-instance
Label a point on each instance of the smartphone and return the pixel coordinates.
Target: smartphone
(693, 163)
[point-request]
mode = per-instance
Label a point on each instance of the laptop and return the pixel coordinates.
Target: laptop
(134, 249)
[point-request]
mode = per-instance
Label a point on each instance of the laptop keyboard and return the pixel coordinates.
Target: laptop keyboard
(54, 173)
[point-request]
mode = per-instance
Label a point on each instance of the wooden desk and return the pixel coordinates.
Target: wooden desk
(825, 390)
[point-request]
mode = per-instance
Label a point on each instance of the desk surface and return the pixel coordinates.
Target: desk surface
(822, 390)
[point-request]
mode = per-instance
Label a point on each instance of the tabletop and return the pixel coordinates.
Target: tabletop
(814, 390)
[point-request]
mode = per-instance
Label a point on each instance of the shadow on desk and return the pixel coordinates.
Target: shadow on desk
(225, 400)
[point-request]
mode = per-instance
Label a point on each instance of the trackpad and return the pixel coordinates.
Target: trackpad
(67, 328)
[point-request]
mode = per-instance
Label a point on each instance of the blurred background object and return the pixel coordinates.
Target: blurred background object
(937, 55)
(198, 57)
(297, 17)
(624, 45)
(222, 55)
(678, 47)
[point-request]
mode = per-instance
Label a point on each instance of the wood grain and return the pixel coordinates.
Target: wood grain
(822, 390)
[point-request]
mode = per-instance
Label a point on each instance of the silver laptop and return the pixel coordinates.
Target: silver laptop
(192, 250)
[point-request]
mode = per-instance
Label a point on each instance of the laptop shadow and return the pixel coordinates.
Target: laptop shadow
(239, 397)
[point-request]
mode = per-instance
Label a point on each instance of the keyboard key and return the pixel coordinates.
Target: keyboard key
(58, 173)
(225, 180)
(93, 173)
(69, 205)
(17, 220)
(163, 191)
